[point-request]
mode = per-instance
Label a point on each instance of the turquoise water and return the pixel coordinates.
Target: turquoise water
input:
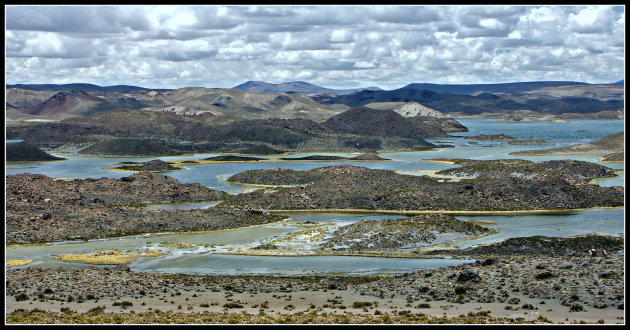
(196, 260)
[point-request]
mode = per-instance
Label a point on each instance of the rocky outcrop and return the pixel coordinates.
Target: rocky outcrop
(574, 171)
(353, 187)
(490, 137)
(24, 151)
(544, 246)
(155, 165)
(368, 121)
(609, 144)
(389, 234)
(40, 209)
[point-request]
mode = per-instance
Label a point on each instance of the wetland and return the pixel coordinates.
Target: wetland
(205, 235)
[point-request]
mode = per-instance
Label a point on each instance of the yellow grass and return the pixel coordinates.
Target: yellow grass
(35, 161)
(107, 257)
(124, 170)
(439, 161)
(18, 262)
(182, 245)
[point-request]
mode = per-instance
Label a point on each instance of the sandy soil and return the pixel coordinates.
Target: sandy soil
(593, 284)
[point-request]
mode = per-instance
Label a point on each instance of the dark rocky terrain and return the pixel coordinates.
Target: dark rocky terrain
(529, 142)
(24, 151)
(481, 103)
(613, 143)
(137, 132)
(41, 209)
(573, 171)
(490, 137)
(231, 158)
(367, 121)
(388, 234)
(155, 165)
(127, 147)
(363, 156)
(543, 246)
(352, 187)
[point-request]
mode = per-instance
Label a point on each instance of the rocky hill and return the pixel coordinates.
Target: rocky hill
(259, 100)
(42, 209)
(230, 103)
(405, 233)
(480, 103)
(368, 121)
(474, 89)
(24, 151)
(610, 144)
(574, 171)
(360, 188)
(139, 132)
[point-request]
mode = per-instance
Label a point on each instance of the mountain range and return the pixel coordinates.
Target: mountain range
(295, 87)
(260, 100)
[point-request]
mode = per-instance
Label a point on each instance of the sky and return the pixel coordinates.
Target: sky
(331, 46)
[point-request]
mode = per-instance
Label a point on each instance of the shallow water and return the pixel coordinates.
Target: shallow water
(205, 260)
(231, 264)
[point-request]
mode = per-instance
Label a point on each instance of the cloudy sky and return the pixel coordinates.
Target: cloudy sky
(331, 46)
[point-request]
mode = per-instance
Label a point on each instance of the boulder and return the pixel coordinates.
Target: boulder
(565, 265)
(123, 267)
(544, 275)
(489, 261)
(461, 290)
(606, 274)
(468, 275)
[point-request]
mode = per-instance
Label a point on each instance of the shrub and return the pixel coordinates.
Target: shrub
(361, 304)
(21, 296)
(576, 308)
(232, 305)
(96, 310)
(124, 304)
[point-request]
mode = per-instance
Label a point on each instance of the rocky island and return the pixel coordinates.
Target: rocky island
(26, 152)
(358, 188)
(133, 132)
(155, 165)
(612, 144)
(41, 209)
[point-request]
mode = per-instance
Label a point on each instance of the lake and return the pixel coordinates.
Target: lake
(207, 261)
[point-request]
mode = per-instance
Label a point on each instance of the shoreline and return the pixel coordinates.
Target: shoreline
(456, 212)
